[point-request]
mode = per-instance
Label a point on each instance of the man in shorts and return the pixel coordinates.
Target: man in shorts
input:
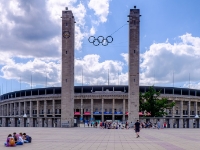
(137, 128)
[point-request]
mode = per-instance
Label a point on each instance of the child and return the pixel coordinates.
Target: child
(10, 141)
(20, 140)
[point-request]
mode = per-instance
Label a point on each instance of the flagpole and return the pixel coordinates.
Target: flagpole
(108, 76)
(173, 78)
(31, 80)
(82, 76)
(118, 77)
(20, 83)
(189, 80)
(46, 79)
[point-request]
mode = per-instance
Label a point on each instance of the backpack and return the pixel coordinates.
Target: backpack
(11, 142)
(29, 139)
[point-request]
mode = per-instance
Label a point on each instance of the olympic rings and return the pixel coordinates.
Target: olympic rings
(100, 40)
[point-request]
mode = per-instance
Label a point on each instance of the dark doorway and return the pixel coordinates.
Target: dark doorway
(8, 122)
(197, 123)
(54, 122)
(25, 122)
(34, 122)
(118, 118)
(168, 124)
(177, 123)
(97, 118)
(16, 122)
(107, 117)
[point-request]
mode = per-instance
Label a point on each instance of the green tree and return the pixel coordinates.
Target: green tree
(152, 103)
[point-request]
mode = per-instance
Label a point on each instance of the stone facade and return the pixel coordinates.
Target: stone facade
(67, 69)
(100, 107)
(133, 77)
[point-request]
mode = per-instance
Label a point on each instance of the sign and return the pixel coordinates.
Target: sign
(77, 113)
(87, 113)
(118, 112)
(97, 112)
(106, 112)
(65, 125)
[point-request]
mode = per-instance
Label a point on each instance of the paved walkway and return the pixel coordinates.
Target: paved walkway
(106, 139)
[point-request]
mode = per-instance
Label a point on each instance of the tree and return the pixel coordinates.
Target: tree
(152, 103)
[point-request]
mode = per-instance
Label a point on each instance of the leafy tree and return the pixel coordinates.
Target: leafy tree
(152, 103)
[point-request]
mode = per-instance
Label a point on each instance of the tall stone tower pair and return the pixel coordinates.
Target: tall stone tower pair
(67, 96)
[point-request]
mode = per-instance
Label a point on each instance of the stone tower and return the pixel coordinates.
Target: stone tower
(134, 51)
(67, 96)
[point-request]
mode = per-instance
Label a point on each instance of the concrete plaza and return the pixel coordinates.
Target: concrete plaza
(105, 139)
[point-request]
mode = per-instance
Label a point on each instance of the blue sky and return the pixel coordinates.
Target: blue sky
(30, 42)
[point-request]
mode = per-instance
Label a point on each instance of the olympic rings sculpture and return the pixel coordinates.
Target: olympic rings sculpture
(100, 40)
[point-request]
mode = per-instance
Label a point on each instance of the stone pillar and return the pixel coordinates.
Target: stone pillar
(82, 109)
(67, 77)
(171, 122)
(12, 121)
(124, 111)
(191, 123)
(92, 109)
(14, 108)
(181, 123)
(58, 123)
(45, 108)
(102, 115)
(113, 110)
(1, 110)
(30, 122)
(181, 109)
(195, 107)
(19, 114)
(189, 103)
(53, 108)
(24, 107)
(10, 109)
(173, 110)
(3, 122)
(49, 122)
(31, 109)
(40, 122)
(7, 109)
(38, 108)
(161, 122)
(133, 73)
(21, 122)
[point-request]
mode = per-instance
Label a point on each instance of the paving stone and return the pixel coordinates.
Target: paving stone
(105, 139)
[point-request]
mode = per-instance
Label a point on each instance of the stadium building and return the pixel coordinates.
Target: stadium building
(68, 105)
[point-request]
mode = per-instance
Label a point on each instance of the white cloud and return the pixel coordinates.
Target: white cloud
(125, 57)
(162, 59)
(14, 6)
(96, 72)
(55, 8)
(92, 31)
(39, 70)
(101, 8)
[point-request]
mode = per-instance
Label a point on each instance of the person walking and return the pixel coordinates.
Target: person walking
(158, 124)
(137, 128)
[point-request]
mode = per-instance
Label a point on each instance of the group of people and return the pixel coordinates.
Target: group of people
(17, 139)
(92, 124)
(112, 125)
(157, 125)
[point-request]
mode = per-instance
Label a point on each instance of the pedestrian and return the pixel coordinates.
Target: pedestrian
(137, 128)
(158, 124)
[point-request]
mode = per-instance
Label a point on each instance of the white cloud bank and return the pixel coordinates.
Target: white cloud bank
(162, 59)
(101, 9)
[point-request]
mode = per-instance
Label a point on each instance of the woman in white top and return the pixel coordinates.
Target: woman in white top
(20, 140)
